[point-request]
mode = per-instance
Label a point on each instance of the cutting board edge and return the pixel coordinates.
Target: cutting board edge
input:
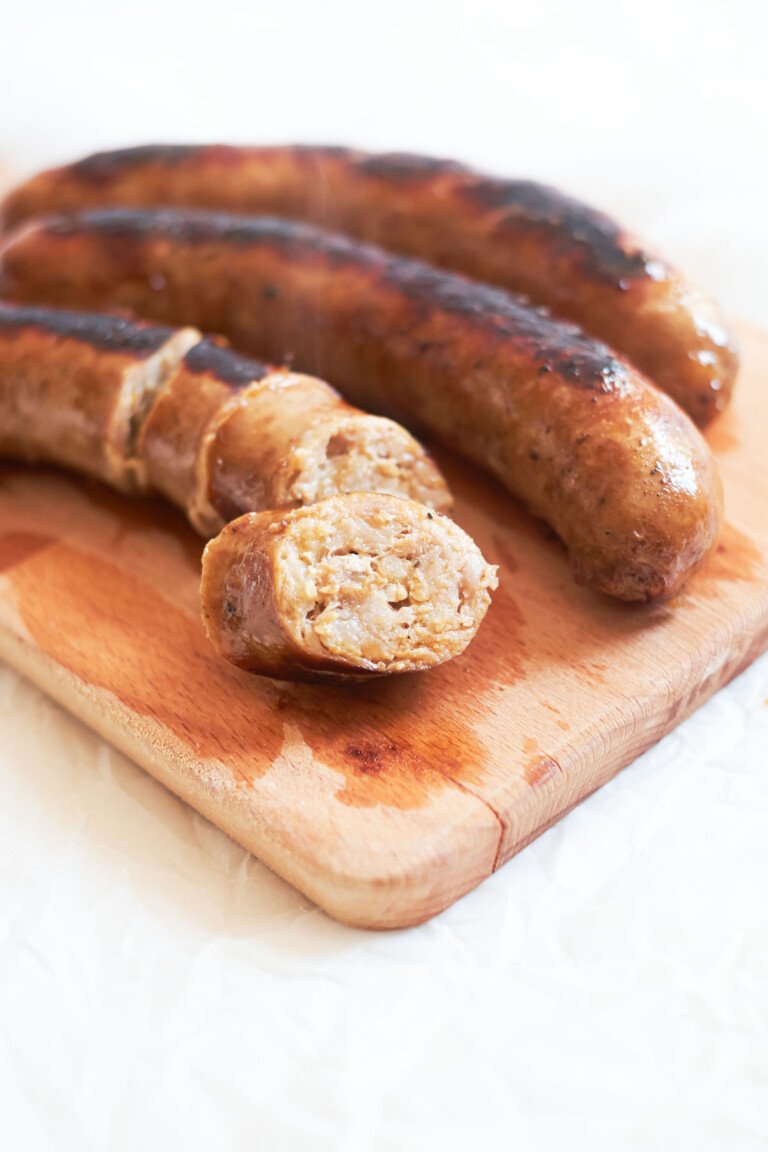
(657, 727)
(541, 814)
(356, 896)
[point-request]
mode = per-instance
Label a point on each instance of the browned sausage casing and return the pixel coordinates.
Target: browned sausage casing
(520, 235)
(358, 583)
(614, 466)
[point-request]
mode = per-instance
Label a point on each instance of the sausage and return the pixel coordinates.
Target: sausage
(255, 438)
(358, 583)
(366, 584)
(73, 387)
(522, 236)
(611, 463)
(149, 408)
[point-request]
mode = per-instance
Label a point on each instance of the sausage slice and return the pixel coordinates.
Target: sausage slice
(150, 408)
(359, 584)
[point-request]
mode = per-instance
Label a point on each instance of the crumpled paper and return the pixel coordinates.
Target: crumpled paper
(607, 986)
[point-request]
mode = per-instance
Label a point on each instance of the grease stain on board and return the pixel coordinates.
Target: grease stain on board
(16, 547)
(735, 558)
(539, 767)
(393, 742)
(540, 770)
(116, 633)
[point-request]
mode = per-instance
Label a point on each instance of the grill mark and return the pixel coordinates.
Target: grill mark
(404, 168)
(291, 238)
(225, 365)
(191, 225)
(553, 345)
(103, 166)
(103, 332)
(592, 239)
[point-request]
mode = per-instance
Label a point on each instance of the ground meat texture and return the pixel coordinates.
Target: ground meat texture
(358, 584)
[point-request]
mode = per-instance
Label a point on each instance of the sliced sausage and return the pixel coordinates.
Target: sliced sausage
(74, 387)
(366, 584)
(357, 584)
(150, 408)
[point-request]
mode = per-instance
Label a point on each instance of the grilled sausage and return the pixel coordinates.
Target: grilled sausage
(364, 585)
(149, 408)
(356, 583)
(613, 465)
(520, 235)
(74, 386)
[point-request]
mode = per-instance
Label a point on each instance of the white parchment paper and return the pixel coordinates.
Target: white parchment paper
(608, 989)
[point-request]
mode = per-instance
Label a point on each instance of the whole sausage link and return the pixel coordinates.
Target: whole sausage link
(520, 235)
(609, 461)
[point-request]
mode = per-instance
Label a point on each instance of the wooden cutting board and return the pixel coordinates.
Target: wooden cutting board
(383, 802)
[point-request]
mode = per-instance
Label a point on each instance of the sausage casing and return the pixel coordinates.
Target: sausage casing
(362, 586)
(523, 236)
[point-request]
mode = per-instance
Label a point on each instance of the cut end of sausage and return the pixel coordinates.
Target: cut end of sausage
(141, 388)
(354, 585)
(289, 440)
(384, 587)
(361, 453)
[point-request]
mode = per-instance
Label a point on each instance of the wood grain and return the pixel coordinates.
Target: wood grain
(383, 802)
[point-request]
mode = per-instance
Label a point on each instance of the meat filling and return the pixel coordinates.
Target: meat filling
(390, 587)
(290, 440)
(361, 453)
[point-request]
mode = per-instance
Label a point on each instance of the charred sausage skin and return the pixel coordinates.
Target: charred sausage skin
(610, 462)
(520, 235)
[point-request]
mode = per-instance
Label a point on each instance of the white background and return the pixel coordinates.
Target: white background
(609, 988)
